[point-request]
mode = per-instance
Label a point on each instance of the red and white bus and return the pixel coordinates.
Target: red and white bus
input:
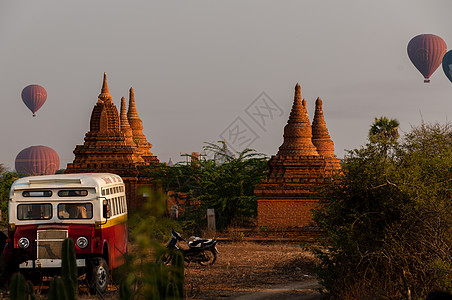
(90, 209)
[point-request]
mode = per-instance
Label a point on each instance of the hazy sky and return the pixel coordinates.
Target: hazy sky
(200, 69)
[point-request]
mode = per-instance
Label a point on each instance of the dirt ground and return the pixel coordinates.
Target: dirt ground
(250, 271)
(244, 269)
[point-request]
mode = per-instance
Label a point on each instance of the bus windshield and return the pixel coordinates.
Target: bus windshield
(41, 211)
(75, 211)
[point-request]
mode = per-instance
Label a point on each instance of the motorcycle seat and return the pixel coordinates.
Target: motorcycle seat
(199, 243)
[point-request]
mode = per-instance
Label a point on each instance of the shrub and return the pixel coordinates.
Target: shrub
(388, 218)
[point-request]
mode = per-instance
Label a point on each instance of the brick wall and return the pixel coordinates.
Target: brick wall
(285, 213)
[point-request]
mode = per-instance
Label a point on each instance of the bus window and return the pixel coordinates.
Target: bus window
(125, 203)
(112, 207)
(73, 193)
(34, 211)
(75, 211)
(37, 193)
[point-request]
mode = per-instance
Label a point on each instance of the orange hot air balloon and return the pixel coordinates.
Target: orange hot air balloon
(34, 97)
(37, 160)
(426, 52)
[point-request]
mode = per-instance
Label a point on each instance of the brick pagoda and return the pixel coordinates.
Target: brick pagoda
(115, 143)
(304, 160)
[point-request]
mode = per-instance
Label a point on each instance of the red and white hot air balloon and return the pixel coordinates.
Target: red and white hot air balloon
(37, 160)
(34, 97)
(426, 52)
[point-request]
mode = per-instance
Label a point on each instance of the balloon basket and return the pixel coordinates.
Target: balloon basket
(426, 80)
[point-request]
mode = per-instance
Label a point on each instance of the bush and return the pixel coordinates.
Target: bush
(143, 276)
(388, 218)
(225, 183)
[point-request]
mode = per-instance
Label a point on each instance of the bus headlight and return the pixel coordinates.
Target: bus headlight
(23, 243)
(82, 242)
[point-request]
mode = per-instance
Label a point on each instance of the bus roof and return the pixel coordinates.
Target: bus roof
(66, 181)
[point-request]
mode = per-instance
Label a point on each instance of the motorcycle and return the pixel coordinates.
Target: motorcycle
(202, 251)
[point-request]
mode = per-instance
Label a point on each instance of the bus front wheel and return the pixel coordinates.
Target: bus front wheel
(99, 275)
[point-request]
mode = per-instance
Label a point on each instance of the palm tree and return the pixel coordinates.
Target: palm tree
(384, 129)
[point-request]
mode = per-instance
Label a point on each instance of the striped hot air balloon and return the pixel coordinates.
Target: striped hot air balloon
(34, 97)
(37, 160)
(426, 52)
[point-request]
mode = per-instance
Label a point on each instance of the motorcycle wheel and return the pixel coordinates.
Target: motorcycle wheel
(211, 257)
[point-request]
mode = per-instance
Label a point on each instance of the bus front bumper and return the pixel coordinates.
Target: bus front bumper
(47, 263)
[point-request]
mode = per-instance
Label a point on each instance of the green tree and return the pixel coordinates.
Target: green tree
(6, 180)
(225, 183)
(384, 128)
(388, 218)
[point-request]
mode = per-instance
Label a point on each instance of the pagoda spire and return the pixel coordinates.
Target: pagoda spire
(298, 132)
(320, 136)
(132, 112)
(137, 127)
(104, 93)
(124, 121)
(125, 126)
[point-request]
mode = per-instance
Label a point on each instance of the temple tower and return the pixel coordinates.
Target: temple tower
(287, 195)
(109, 146)
(321, 138)
(297, 132)
(137, 130)
(125, 126)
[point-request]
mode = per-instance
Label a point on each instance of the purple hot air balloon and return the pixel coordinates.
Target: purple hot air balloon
(34, 97)
(426, 52)
(37, 160)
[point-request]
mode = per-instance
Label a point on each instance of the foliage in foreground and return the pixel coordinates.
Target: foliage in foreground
(65, 287)
(225, 183)
(144, 275)
(388, 218)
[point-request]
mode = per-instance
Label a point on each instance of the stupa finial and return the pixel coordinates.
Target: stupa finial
(132, 112)
(123, 116)
(320, 136)
(125, 126)
(104, 93)
(298, 132)
(297, 91)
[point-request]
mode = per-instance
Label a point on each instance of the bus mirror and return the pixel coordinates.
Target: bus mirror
(106, 209)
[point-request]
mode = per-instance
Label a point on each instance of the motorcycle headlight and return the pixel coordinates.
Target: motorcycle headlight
(82, 242)
(23, 243)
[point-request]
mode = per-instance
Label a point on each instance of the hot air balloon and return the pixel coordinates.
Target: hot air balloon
(37, 160)
(447, 64)
(426, 52)
(34, 97)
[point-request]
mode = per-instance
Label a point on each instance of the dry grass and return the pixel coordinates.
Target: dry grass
(246, 267)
